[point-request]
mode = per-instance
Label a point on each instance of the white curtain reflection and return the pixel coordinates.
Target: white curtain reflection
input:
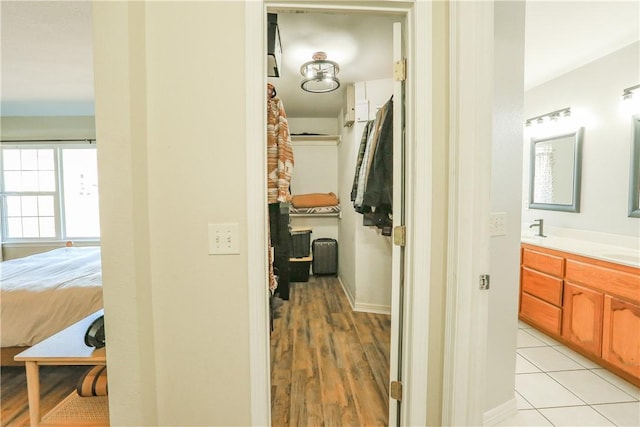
(543, 181)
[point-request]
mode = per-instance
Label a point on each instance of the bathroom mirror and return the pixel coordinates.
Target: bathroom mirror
(554, 176)
(634, 173)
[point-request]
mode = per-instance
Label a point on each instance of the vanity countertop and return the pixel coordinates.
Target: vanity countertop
(606, 252)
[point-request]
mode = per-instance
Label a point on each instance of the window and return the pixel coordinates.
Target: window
(49, 192)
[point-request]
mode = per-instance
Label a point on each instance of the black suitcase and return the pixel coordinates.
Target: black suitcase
(325, 256)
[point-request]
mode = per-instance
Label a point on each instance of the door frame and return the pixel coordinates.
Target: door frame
(471, 111)
(459, 327)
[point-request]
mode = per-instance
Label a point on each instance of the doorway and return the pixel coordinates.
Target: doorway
(368, 249)
(452, 390)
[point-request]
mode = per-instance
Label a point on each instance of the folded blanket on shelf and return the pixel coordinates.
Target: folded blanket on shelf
(310, 200)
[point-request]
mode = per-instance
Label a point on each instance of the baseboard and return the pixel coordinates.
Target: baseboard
(373, 308)
(350, 297)
(365, 308)
(500, 413)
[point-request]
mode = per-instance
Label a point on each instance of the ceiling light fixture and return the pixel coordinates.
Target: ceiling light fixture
(319, 74)
(553, 116)
(556, 122)
(628, 92)
(630, 104)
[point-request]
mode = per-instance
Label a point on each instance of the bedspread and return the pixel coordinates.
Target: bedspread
(44, 293)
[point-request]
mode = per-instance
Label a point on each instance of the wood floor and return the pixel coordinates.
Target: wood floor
(329, 365)
(56, 382)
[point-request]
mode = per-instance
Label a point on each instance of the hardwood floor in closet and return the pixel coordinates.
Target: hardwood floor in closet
(329, 364)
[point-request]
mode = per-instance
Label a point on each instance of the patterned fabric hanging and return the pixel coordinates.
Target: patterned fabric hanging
(279, 151)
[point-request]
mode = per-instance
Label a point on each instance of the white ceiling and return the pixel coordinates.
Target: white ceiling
(561, 36)
(47, 65)
(46, 57)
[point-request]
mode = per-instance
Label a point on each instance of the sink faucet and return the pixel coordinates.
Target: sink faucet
(540, 224)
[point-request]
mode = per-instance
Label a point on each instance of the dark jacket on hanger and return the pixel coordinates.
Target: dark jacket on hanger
(379, 189)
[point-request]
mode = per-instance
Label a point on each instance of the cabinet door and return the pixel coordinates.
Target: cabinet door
(620, 338)
(582, 317)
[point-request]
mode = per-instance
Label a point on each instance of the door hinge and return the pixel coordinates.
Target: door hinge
(400, 70)
(400, 235)
(395, 390)
(484, 282)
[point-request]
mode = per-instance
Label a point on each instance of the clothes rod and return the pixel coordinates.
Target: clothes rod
(89, 140)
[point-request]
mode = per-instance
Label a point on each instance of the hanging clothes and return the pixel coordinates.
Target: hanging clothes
(373, 182)
(279, 169)
(279, 152)
(363, 145)
(379, 189)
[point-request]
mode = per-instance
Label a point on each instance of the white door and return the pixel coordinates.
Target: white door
(397, 263)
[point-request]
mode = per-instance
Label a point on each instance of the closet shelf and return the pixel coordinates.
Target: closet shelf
(321, 140)
(317, 215)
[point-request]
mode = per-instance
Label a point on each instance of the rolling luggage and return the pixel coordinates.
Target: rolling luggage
(325, 256)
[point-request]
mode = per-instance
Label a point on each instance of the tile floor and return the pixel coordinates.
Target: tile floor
(556, 386)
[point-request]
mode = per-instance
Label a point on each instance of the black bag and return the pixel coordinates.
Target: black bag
(325, 256)
(94, 337)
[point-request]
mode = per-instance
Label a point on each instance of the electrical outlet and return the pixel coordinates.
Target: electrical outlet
(498, 224)
(223, 239)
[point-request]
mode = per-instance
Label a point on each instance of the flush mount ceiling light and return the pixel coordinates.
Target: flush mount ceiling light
(319, 74)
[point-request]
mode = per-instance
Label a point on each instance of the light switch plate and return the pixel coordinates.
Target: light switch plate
(498, 224)
(223, 239)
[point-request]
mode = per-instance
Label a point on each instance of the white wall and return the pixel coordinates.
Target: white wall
(319, 125)
(373, 250)
(505, 197)
(172, 159)
(594, 94)
(45, 127)
(315, 171)
(364, 255)
(316, 167)
(347, 153)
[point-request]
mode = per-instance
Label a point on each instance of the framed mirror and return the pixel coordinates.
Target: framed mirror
(634, 172)
(555, 171)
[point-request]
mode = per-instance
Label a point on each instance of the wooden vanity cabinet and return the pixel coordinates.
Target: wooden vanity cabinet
(582, 317)
(541, 290)
(621, 335)
(590, 305)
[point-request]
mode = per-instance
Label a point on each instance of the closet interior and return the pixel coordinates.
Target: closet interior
(328, 191)
(330, 207)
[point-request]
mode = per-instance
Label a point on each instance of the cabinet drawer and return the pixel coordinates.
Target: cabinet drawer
(546, 263)
(604, 279)
(545, 287)
(544, 315)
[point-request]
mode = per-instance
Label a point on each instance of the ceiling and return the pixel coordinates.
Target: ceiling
(47, 64)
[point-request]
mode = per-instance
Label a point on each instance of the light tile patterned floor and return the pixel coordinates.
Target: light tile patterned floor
(555, 386)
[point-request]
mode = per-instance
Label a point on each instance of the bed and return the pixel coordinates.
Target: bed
(44, 293)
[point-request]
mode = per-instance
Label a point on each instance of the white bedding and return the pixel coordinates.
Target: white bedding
(44, 293)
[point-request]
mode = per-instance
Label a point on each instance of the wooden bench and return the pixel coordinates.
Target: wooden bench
(65, 348)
